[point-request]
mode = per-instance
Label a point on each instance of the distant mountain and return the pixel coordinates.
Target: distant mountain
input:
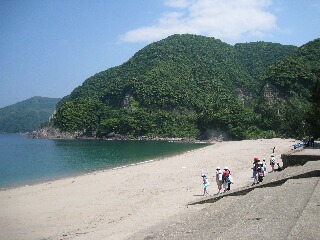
(189, 86)
(27, 115)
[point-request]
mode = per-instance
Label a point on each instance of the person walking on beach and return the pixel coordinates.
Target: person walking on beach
(225, 178)
(230, 180)
(264, 166)
(260, 172)
(219, 179)
(205, 184)
(272, 162)
(254, 169)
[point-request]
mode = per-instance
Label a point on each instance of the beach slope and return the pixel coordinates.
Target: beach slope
(119, 203)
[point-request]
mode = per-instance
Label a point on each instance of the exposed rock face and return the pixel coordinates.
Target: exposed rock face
(216, 135)
(274, 98)
(243, 96)
(272, 95)
(127, 100)
(53, 133)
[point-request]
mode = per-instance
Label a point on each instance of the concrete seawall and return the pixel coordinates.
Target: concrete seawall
(301, 156)
(284, 206)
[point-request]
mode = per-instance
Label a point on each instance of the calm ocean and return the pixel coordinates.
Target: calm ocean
(25, 161)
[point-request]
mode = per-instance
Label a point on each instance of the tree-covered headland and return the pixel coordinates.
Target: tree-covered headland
(189, 85)
(27, 115)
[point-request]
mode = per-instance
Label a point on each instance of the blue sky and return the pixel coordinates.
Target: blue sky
(49, 47)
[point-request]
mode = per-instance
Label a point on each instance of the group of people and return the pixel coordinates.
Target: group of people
(259, 168)
(307, 142)
(223, 179)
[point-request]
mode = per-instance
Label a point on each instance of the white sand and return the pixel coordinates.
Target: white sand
(117, 203)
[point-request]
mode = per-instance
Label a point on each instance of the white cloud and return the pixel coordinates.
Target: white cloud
(177, 3)
(229, 20)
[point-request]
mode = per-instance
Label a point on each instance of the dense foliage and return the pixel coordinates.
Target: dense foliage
(313, 112)
(294, 80)
(185, 84)
(27, 115)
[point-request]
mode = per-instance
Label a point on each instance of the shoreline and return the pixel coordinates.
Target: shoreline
(75, 175)
(119, 203)
(55, 134)
(61, 177)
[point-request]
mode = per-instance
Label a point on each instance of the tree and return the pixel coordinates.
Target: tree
(313, 113)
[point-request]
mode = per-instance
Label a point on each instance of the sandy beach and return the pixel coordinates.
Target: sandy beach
(117, 203)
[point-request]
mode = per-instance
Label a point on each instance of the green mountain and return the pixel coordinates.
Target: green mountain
(185, 85)
(290, 96)
(27, 115)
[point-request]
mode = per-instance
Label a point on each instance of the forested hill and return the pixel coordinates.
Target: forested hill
(27, 115)
(177, 87)
(291, 94)
(167, 73)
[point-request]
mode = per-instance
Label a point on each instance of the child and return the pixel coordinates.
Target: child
(254, 168)
(279, 167)
(230, 180)
(219, 179)
(264, 166)
(260, 172)
(225, 178)
(205, 184)
(272, 162)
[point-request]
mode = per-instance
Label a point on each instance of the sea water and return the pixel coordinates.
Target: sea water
(25, 161)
